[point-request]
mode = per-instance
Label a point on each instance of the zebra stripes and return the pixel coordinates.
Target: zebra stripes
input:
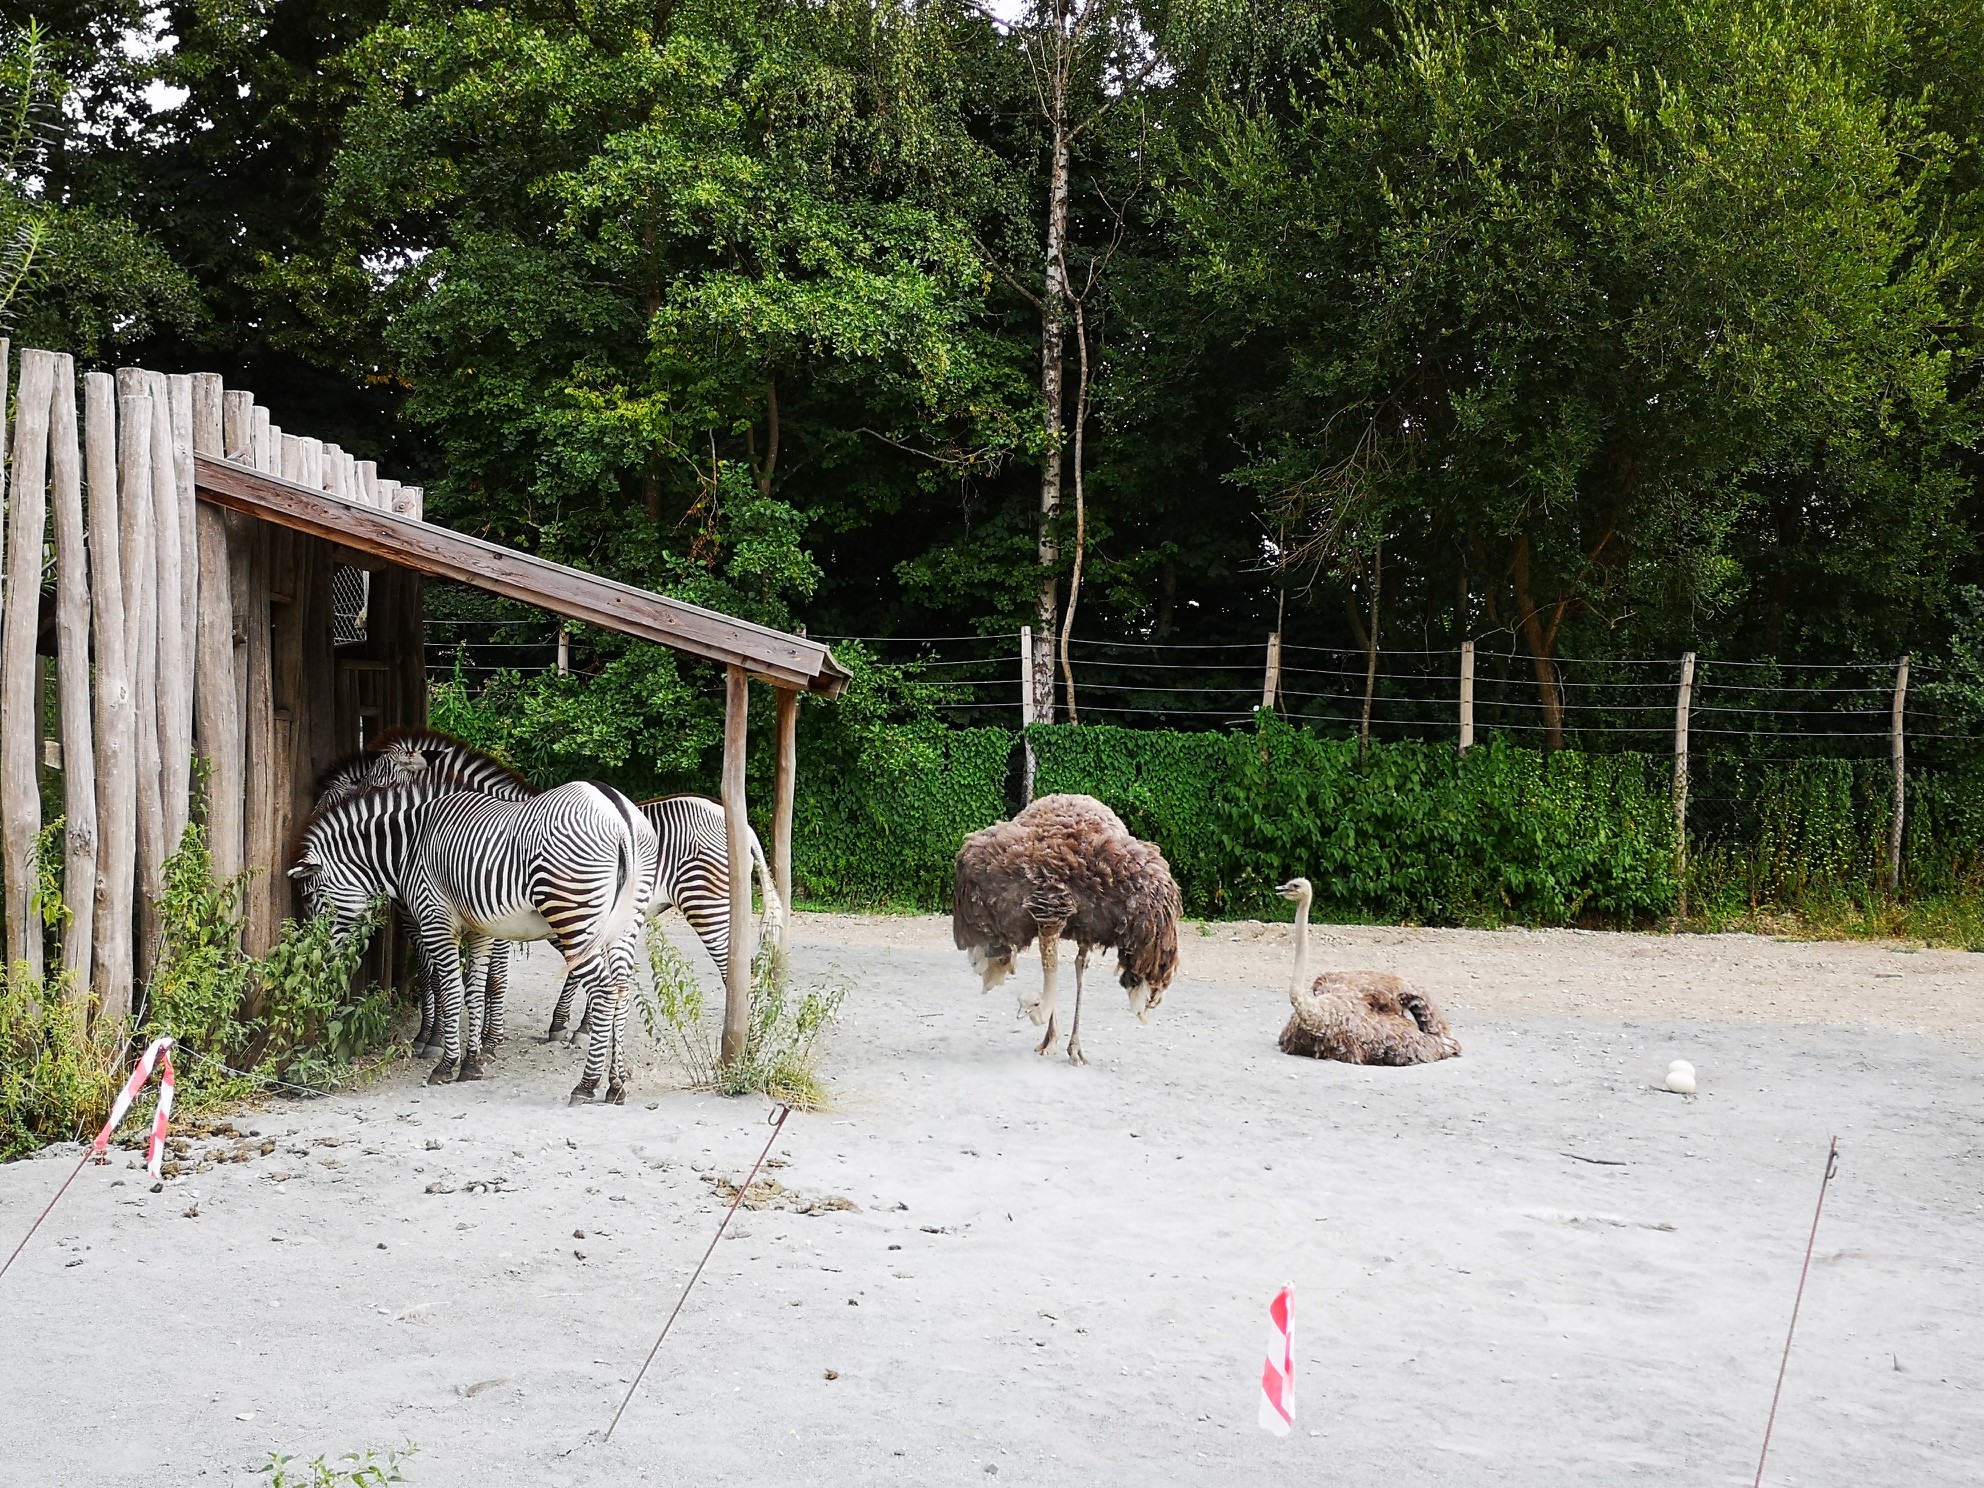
(573, 865)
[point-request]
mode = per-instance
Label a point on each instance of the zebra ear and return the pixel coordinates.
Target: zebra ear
(305, 868)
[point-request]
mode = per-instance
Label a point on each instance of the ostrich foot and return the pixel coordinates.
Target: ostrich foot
(582, 1093)
(442, 1073)
(1046, 1045)
(1075, 1055)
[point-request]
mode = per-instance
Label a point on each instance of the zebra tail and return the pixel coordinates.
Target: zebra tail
(773, 929)
(629, 905)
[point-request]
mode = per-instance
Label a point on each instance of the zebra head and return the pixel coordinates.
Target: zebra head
(345, 859)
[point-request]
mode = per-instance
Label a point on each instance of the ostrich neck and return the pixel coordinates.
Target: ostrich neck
(1298, 983)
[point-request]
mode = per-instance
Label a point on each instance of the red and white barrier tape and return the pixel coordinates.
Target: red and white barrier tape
(158, 1055)
(1278, 1379)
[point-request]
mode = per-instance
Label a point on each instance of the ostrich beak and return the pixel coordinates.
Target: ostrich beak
(1288, 890)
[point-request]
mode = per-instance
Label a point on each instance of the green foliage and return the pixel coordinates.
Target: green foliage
(57, 1076)
(309, 1022)
(367, 1469)
(781, 1049)
(1399, 831)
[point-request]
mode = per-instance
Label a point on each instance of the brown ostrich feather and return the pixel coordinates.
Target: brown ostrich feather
(1069, 860)
(1367, 1017)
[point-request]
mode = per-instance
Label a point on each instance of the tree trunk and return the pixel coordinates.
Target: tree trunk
(1542, 641)
(1081, 505)
(1053, 332)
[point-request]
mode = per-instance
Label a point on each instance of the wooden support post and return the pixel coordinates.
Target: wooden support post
(1466, 696)
(20, 739)
(1271, 684)
(72, 685)
(116, 713)
(1683, 702)
(1897, 820)
(289, 780)
(737, 984)
(217, 704)
(785, 784)
(411, 636)
(1026, 715)
(174, 694)
(137, 520)
(564, 651)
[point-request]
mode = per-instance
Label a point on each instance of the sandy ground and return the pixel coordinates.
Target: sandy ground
(1523, 1267)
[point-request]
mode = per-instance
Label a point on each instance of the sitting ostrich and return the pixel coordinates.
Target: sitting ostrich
(1067, 867)
(1357, 1017)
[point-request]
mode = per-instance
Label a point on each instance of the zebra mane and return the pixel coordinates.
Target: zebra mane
(375, 800)
(465, 757)
(370, 769)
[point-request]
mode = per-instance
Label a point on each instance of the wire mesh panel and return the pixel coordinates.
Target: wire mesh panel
(351, 593)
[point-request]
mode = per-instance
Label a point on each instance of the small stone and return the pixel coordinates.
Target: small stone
(833, 1374)
(578, 1234)
(580, 1254)
(382, 1245)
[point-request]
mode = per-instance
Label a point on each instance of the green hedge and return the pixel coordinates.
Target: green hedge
(1395, 832)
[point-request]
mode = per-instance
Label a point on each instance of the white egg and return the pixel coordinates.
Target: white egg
(1681, 1077)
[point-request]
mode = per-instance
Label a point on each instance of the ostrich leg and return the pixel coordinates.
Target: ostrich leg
(1050, 977)
(1075, 1055)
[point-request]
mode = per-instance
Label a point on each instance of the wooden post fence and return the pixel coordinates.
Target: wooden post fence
(1466, 696)
(1271, 683)
(20, 741)
(1897, 818)
(784, 787)
(737, 983)
(1683, 702)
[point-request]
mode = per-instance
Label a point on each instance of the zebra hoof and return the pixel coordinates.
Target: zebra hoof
(472, 1070)
(616, 1095)
(581, 1095)
(442, 1073)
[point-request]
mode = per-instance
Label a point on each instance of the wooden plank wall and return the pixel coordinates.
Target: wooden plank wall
(179, 631)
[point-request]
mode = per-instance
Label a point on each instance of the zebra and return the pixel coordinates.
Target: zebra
(427, 757)
(692, 862)
(693, 875)
(572, 865)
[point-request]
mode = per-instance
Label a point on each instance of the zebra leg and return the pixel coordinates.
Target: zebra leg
(493, 994)
(474, 968)
(428, 1036)
(563, 1011)
(622, 970)
(591, 973)
(443, 957)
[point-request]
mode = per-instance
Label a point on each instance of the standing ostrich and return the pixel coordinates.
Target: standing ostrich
(1067, 868)
(1357, 1017)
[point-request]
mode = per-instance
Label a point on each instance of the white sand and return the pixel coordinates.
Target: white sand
(1076, 1291)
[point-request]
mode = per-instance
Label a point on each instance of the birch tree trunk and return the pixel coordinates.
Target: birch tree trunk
(1058, 64)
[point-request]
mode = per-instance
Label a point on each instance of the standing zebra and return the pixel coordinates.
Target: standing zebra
(571, 865)
(692, 852)
(431, 759)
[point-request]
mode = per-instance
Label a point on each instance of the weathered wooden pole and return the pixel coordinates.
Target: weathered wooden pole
(116, 712)
(20, 739)
(179, 401)
(1683, 702)
(216, 691)
(1027, 714)
(137, 520)
(784, 786)
(737, 982)
(174, 694)
(1466, 696)
(1271, 683)
(1897, 820)
(72, 687)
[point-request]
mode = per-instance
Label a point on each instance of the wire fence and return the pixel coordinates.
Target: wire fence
(1766, 711)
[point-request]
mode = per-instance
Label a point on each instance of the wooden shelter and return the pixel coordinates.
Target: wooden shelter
(197, 613)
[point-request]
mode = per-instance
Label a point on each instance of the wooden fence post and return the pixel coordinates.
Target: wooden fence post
(1271, 683)
(175, 667)
(564, 651)
(137, 519)
(20, 739)
(179, 402)
(1897, 818)
(1682, 703)
(785, 785)
(72, 685)
(1466, 696)
(737, 984)
(116, 711)
(1026, 715)
(216, 696)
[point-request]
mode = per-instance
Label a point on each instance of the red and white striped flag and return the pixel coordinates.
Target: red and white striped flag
(1278, 1378)
(157, 1055)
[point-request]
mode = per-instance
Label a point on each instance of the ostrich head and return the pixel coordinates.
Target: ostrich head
(1147, 951)
(1296, 889)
